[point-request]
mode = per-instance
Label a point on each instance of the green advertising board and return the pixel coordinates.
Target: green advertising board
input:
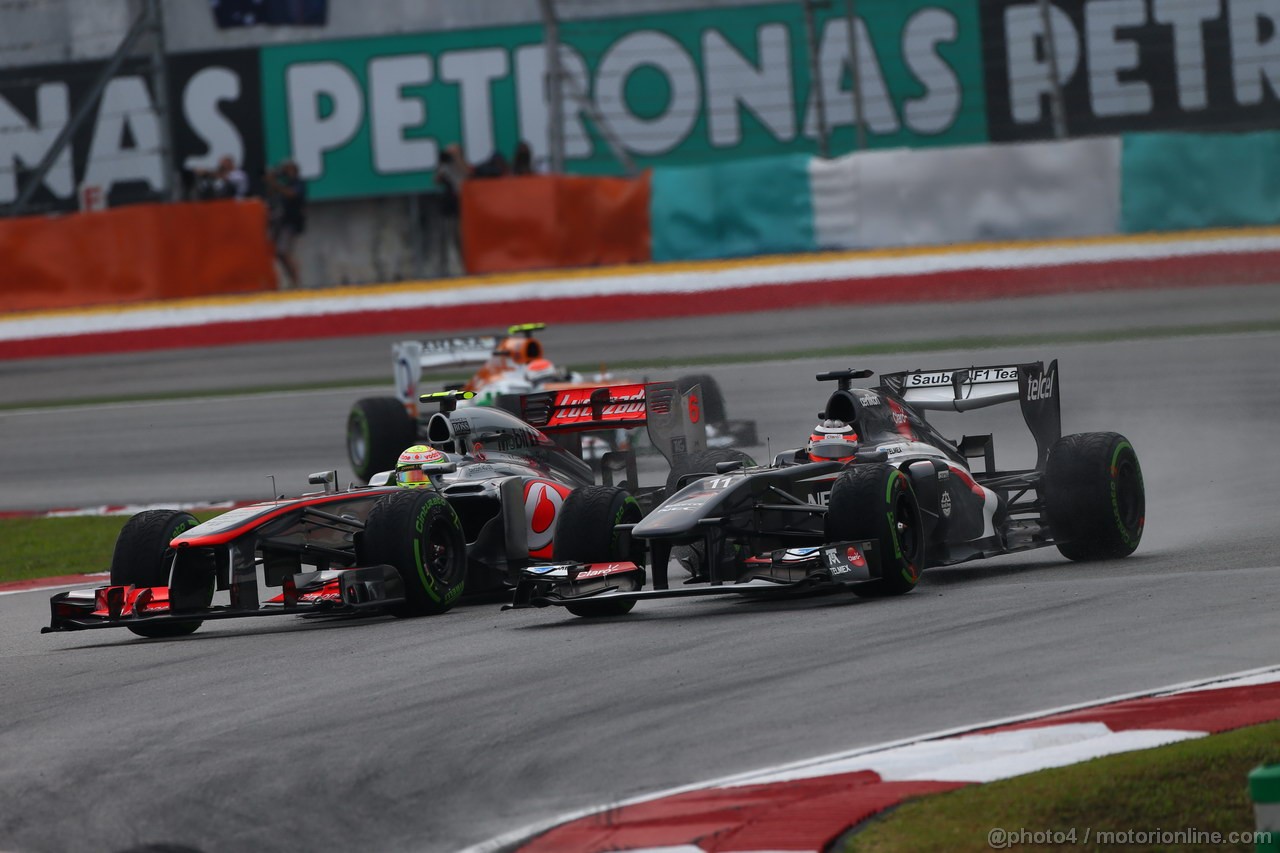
(369, 117)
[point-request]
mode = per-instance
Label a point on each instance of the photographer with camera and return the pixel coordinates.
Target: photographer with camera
(287, 206)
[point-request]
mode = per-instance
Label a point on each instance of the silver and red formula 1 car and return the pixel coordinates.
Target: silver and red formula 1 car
(901, 499)
(502, 496)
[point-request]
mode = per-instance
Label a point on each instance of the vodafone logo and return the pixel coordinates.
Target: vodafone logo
(542, 502)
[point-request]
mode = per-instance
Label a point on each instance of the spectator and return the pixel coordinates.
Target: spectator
(451, 173)
(494, 167)
(234, 178)
(226, 181)
(287, 203)
(522, 163)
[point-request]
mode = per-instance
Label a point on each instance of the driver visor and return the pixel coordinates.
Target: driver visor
(411, 475)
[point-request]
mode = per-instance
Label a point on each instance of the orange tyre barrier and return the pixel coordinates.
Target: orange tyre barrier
(545, 221)
(135, 253)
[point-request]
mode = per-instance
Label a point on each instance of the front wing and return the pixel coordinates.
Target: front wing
(331, 592)
(792, 570)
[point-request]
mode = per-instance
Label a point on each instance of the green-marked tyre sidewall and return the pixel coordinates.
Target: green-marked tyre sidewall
(418, 532)
(867, 502)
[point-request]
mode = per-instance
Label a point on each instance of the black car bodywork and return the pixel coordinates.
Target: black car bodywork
(909, 500)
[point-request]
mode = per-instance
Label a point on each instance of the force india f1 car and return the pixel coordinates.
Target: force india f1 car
(908, 499)
(501, 497)
(378, 428)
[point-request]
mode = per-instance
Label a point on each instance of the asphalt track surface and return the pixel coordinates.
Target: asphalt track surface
(438, 733)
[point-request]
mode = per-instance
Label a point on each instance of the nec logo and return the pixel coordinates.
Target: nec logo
(1042, 388)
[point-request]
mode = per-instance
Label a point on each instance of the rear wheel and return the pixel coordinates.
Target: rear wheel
(420, 534)
(378, 429)
(712, 401)
(1094, 496)
(143, 558)
(585, 533)
(704, 462)
(875, 501)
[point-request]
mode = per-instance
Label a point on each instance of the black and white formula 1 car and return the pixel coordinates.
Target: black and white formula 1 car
(905, 500)
(507, 366)
(501, 497)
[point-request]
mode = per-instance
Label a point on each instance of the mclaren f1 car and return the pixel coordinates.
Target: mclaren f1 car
(895, 500)
(499, 496)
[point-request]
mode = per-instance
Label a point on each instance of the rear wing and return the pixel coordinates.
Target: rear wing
(674, 420)
(410, 358)
(962, 389)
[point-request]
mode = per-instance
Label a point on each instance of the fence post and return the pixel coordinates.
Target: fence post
(1056, 108)
(815, 77)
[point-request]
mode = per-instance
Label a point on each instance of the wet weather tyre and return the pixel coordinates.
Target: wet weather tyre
(142, 558)
(875, 501)
(420, 534)
(704, 462)
(378, 429)
(1094, 496)
(712, 400)
(585, 533)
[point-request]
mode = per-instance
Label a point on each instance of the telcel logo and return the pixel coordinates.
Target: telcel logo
(1042, 388)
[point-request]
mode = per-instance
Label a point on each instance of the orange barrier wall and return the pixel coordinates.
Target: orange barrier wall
(135, 253)
(545, 221)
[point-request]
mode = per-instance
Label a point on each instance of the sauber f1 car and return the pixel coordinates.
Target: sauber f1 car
(903, 499)
(378, 428)
(500, 497)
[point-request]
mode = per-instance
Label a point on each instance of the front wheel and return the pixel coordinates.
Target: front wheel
(420, 534)
(875, 501)
(586, 533)
(143, 558)
(1094, 496)
(378, 429)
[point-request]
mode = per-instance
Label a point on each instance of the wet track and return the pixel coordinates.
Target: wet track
(433, 734)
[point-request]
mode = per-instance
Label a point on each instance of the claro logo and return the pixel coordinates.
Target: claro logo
(1042, 388)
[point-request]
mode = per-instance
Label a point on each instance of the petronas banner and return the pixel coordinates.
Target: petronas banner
(370, 116)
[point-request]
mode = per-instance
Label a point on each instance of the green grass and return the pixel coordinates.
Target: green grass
(1199, 784)
(48, 547)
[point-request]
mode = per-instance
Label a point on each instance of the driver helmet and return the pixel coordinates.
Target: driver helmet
(833, 440)
(412, 466)
(540, 370)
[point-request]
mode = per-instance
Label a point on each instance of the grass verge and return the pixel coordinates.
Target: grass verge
(48, 547)
(1197, 786)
